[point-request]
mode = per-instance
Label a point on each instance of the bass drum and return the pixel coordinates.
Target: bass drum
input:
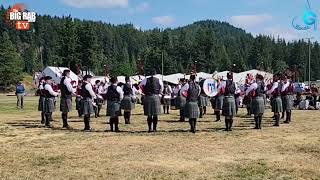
(209, 87)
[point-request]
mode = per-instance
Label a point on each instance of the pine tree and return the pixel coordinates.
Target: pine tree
(10, 62)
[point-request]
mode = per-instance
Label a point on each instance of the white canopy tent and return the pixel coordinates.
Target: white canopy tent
(56, 74)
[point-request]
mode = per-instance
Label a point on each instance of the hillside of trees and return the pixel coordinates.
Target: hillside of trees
(212, 45)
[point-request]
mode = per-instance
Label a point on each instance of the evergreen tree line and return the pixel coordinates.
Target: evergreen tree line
(210, 45)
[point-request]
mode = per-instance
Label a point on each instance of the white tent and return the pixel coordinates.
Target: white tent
(174, 78)
(56, 74)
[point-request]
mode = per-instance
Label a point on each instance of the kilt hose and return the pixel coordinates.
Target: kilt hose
(192, 110)
(152, 105)
(127, 103)
(288, 102)
(65, 104)
(229, 106)
(87, 107)
(41, 104)
(49, 105)
(277, 105)
(219, 102)
(114, 109)
(257, 105)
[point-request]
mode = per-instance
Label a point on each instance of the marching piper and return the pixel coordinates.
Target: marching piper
(192, 108)
(219, 99)
(49, 102)
(247, 99)
(167, 91)
(127, 103)
(40, 92)
(181, 99)
(256, 91)
(87, 103)
(287, 91)
(152, 88)
(66, 97)
(229, 103)
(114, 96)
(276, 99)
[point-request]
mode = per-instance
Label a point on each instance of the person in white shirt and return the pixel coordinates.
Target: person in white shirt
(167, 90)
(181, 99)
(152, 89)
(276, 99)
(88, 96)
(40, 92)
(114, 97)
(67, 92)
(49, 104)
(256, 92)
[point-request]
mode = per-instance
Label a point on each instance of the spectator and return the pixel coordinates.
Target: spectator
(20, 92)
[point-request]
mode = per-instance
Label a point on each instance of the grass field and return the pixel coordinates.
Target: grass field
(30, 151)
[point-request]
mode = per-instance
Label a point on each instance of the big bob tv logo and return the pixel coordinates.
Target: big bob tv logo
(19, 17)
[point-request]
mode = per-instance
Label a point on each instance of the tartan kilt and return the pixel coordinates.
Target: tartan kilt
(265, 99)
(203, 101)
(192, 110)
(166, 102)
(247, 101)
(78, 103)
(41, 104)
(127, 103)
(229, 106)
(219, 102)
(152, 105)
(277, 105)
(114, 109)
(87, 106)
(180, 102)
(257, 105)
(288, 102)
(65, 105)
(49, 105)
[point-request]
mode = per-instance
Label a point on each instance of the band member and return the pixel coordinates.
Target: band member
(202, 100)
(79, 99)
(314, 93)
(256, 91)
(114, 96)
(127, 104)
(49, 103)
(192, 108)
(247, 99)
(219, 99)
(167, 91)
(237, 98)
(99, 100)
(276, 100)
(229, 105)
(288, 90)
(40, 92)
(283, 96)
(87, 102)
(152, 88)
(66, 97)
(181, 99)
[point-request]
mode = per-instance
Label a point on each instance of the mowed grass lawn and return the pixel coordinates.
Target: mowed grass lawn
(30, 151)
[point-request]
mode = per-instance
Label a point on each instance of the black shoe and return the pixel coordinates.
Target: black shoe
(286, 122)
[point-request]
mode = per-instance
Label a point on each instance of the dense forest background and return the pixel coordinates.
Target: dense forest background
(211, 45)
